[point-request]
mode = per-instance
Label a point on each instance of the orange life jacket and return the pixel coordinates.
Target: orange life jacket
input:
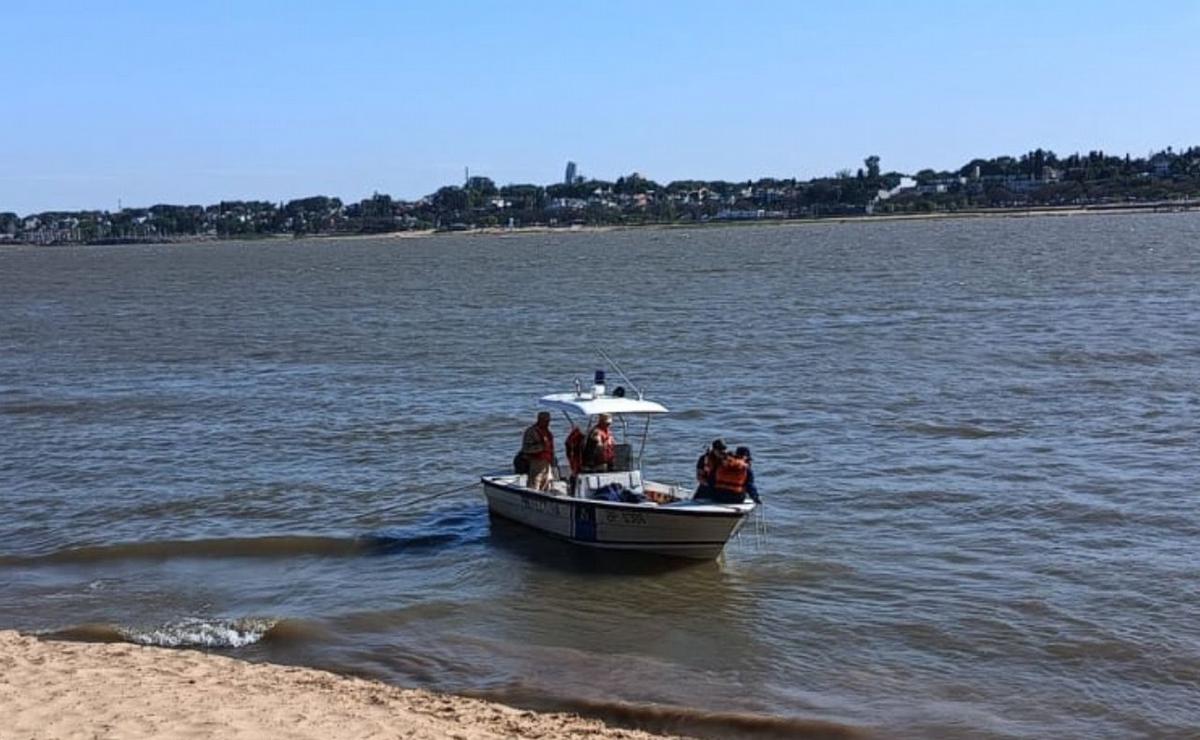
(607, 445)
(599, 452)
(731, 475)
(547, 452)
(574, 448)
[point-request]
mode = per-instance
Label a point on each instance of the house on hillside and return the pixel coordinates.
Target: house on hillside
(1160, 165)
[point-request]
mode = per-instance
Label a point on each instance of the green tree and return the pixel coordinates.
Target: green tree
(872, 163)
(450, 199)
(480, 190)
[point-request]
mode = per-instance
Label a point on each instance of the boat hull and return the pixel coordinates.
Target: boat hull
(686, 530)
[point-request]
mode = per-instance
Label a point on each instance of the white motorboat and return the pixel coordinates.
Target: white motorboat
(646, 517)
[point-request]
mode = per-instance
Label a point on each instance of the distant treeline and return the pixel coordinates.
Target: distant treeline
(1038, 178)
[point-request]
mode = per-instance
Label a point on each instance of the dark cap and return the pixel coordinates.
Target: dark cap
(718, 444)
(742, 452)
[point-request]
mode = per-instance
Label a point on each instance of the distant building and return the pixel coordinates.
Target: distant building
(569, 178)
(1160, 165)
(1022, 184)
(569, 204)
(906, 183)
(940, 185)
(747, 214)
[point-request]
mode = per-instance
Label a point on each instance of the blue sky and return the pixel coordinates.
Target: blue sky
(193, 102)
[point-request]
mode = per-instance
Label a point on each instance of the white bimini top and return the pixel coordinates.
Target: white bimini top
(590, 405)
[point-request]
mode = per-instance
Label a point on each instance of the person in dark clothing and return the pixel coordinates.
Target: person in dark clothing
(707, 460)
(706, 465)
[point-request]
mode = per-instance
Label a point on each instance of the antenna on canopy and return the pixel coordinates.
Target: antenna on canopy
(620, 372)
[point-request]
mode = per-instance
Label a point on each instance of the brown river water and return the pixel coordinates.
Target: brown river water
(977, 441)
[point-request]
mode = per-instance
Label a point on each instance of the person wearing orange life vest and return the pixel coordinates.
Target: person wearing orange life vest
(743, 452)
(599, 452)
(538, 448)
(732, 480)
(574, 449)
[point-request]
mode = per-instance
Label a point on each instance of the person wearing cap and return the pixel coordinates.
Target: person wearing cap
(538, 448)
(599, 451)
(743, 452)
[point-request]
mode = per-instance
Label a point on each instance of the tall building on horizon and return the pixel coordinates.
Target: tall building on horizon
(569, 178)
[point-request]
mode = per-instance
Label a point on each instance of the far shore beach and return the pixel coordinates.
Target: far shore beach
(798, 222)
(502, 231)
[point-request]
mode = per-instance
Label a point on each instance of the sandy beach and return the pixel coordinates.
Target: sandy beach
(118, 690)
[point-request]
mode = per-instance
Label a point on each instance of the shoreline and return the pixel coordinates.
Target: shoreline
(500, 231)
(120, 690)
(52, 689)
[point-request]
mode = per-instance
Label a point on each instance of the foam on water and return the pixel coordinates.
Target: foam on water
(193, 632)
(200, 632)
(203, 633)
